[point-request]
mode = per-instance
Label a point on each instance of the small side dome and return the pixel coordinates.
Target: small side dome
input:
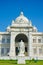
(30, 23)
(12, 22)
(8, 28)
(22, 19)
(34, 29)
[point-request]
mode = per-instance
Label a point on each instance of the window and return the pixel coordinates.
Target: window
(17, 50)
(8, 40)
(3, 40)
(35, 50)
(0, 40)
(40, 51)
(25, 49)
(2, 51)
(34, 40)
(39, 40)
(7, 50)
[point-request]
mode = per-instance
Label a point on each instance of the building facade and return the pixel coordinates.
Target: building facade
(21, 29)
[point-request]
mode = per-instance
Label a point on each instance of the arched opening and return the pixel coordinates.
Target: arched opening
(24, 38)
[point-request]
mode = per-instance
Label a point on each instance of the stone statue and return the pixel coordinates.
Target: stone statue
(21, 48)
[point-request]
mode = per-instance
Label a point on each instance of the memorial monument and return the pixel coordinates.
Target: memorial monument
(23, 35)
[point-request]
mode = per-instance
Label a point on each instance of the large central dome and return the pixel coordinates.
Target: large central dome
(22, 19)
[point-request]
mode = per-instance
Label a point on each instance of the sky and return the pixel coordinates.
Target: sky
(10, 10)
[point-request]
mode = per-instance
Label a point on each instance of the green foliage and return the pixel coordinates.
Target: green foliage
(34, 60)
(14, 62)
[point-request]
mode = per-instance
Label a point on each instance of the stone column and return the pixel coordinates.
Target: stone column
(0, 51)
(12, 45)
(38, 51)
(0, 44)
(30, 45)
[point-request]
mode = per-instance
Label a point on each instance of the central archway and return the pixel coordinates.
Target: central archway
(24, 38)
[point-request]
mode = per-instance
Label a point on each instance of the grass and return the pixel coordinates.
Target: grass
(14, 62)
(8, 62)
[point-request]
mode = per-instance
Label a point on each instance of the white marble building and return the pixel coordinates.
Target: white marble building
(21, 29)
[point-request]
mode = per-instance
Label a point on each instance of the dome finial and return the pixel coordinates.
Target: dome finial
(21, 13)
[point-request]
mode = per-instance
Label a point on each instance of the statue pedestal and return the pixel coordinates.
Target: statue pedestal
(21, 60)
(21, 54)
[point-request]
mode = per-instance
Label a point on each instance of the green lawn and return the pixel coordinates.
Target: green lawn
(13, 62)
